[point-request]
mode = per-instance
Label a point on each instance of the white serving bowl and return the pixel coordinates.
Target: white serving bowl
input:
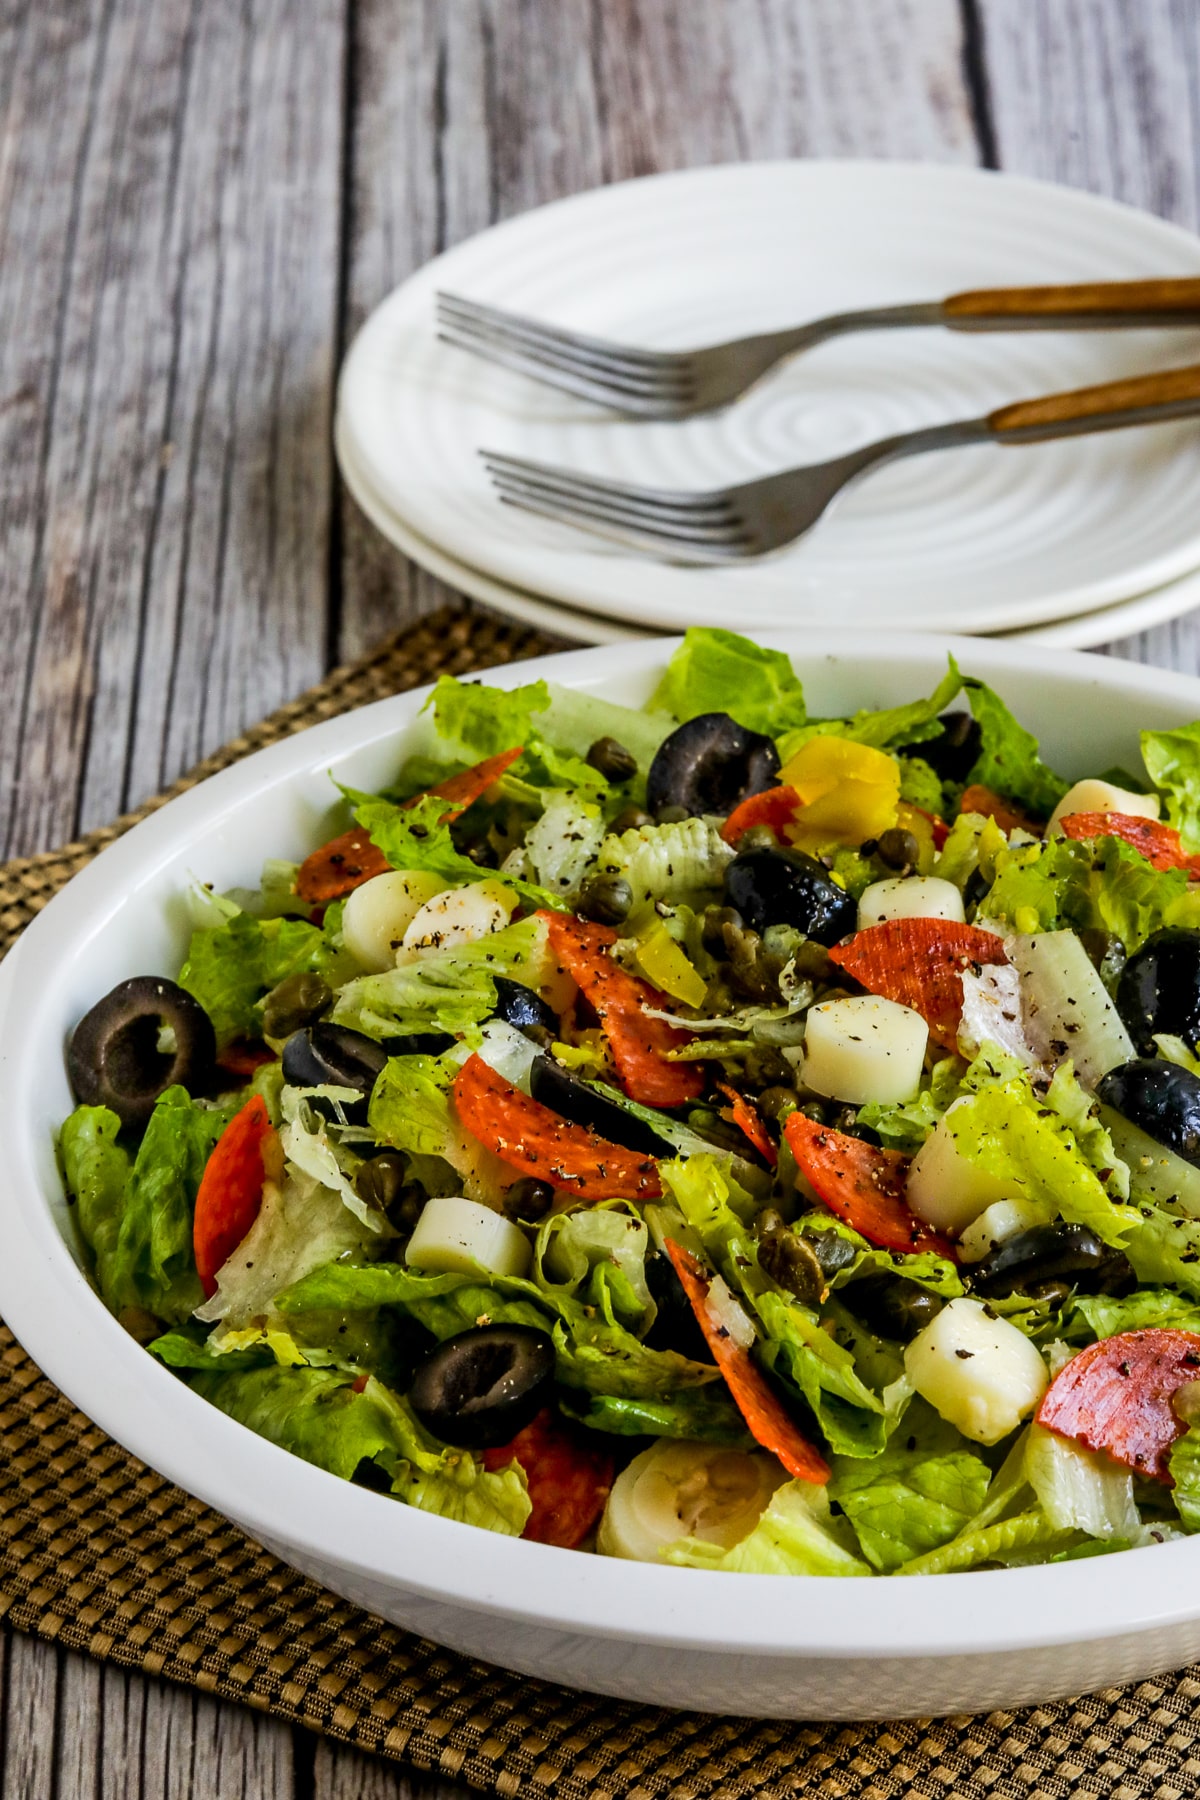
(753, 1644)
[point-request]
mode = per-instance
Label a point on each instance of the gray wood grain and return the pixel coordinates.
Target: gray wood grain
(471, 111)
(169, 237)
(1104, 95)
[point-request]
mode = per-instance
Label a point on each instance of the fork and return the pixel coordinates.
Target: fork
(673, 384)
(723, 525)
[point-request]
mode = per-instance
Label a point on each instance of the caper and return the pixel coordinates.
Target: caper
(712, 927)
(528, 1199)
(814, 1110)
(379, 1180)
(777, 1102)
(898, 848)
(891, 1305)
(832, 1251)
(749, 968)
(765, 1068)
(812, 961)
(140, 1324)
(671, 815)
(719, 997)
(759, 837)
(606, 899)
(483, 855)
(612, 760)
(634, 818)
(769, 1219)
(792, 1263)
(846, 1121)
(299, 1000)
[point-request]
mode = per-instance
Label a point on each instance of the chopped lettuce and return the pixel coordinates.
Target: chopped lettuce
(230, 967)
(411, 1110)
(1078, 1489)
(1184, 1464)
(449, 989)
(1101, 884)
(920, 785)
(707, 1414)
(1104, 1315)
(1008, 760)
(796, 1535)
(414, 836)
(719, 671)
(1173, 761)
(916, 1495)
(598, 1247)
(666, 864)
(913, 723)
(317, 1414)
(595, 1351)
(137, 1219)
(855, 1420)
(984, 1545)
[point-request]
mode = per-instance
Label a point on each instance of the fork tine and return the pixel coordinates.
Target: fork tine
(631, 538)
(714, 502)
(677, 530)
(601, 392)
(520, 324)
(619, 379)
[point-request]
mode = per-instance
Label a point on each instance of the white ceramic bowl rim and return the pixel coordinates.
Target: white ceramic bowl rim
(64, 1326)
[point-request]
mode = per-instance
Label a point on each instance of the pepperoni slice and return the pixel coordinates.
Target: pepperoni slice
(1116, 1396)
(765, 1414)
(1161, 845)
(569, 1475)
(862, 1185)
(747, 1119)
(534, 1140)
(1009, 817)
(230, 1191)
(775, 807)
(618, 999)
(920, 963)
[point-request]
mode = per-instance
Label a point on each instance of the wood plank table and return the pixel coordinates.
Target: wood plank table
(200, 201)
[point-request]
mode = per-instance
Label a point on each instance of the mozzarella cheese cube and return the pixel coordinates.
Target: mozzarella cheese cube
(459, 1237)
(864, 1049)
(378, 914)
(1102, 797)
(1002, 1220)
(910, 897)
(459, 916)
(944, 1188)
(980, 1373)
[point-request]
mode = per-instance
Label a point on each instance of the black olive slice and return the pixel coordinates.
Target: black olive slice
(786, 887)
(481, 1387)
(521, 1007)
(954, 754)
(1163, 1099)
(675, 1327)
(145, 1036)
(710, 765)
(1046, 1255)
(573, 1099)
(419, 1043)
(1159, 989)
(334, 1056)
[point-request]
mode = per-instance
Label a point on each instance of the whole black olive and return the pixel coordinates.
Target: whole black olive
(334, 1056)
(1159, 989)
(953, 755)
(1161, 1098)
(786, 887)
(521, 1007)
(142, 1038)
(1041, 1258)
(674, 1326)
(565, 1094)
(891, 1305)
(481, 1387)
(710, 765)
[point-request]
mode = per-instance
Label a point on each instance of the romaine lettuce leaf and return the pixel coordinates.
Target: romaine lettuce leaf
(1095, 1316)
(579, 1253)
(1007, 1541)
(1013, 1135)
(1166, 1248)
(719, 671)
(414, 837)
(915, 722)
(449, 989)
(707, 1414)
(1173, 761)
(855, 1420)
(1102, 884)
(481, 721)
(1008, 760)
(1079, 1489)
(190, 1348)
(410, 1109)
(316, 1414)
(1184, 1464)
(916, 1495)
(230, 967)
(595, 1351)
(796, 1535)
(920, 785)
(95, 1171)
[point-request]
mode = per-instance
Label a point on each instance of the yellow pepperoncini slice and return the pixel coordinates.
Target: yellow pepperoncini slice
(666, 965)
(850, 792)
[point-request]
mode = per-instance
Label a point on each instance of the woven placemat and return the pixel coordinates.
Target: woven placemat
(100, 1554)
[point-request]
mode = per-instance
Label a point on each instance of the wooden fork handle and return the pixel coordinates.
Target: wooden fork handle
(1169, 302)
(1140, 400)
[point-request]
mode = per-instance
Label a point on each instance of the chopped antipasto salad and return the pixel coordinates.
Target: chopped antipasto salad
(702, 1133)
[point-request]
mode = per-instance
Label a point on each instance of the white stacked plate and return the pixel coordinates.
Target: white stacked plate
(1077, 542)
